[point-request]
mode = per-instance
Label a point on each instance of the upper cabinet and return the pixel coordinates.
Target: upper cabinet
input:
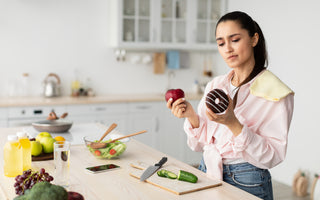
(164, 24)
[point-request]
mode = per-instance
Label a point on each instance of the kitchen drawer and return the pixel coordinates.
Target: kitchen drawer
(3, 123)
(110, 108)
(34, 111)
(79, 110)
(96, 109)
(3, 113)
(146, 107)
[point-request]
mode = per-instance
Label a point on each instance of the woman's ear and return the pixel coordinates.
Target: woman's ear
(255, 39)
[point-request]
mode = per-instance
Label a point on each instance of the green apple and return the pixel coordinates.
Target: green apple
(47, 144)
(36, 148)
(42, 135)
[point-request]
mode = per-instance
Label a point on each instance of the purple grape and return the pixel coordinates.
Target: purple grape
(17, 178)
(51, 178)
(42, 171)
(24, 176)
(29, 178)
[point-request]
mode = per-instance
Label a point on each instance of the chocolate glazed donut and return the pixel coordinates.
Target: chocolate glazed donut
(217, 101)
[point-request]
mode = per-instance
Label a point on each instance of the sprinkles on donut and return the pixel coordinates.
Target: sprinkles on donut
(217, 100)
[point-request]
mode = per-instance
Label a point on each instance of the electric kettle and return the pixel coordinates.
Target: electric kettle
(51, 85)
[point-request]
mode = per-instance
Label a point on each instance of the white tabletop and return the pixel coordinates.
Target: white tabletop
(117, 184)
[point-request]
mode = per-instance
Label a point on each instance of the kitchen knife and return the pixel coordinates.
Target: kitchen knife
(152, 169)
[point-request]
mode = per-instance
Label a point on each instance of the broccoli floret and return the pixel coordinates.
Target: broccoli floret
(44, 191)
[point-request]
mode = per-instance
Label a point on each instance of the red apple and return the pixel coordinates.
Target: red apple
(174, 94)
(75, 196)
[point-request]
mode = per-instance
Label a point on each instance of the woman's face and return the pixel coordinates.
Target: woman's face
(235, 45)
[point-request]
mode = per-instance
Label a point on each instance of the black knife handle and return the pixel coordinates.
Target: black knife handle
(161, 162)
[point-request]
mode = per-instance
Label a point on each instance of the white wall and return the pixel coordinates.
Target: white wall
(292, 30)
(42, 36)
(61, 36)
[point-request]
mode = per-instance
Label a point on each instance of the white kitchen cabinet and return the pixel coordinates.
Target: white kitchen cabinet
(208, 13)
(3, 117)
(24, 116)
(106, 114)
(164, 131)
(112, 113)
(164, 24)
(130, 23)
(174, 139)
(145, 116)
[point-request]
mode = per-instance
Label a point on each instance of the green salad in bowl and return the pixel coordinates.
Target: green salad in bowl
(112, 150)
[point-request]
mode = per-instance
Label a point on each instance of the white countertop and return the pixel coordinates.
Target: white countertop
(118, 184)
(67, 100)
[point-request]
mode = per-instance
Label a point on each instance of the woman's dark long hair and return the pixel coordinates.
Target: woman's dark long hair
(260, 51)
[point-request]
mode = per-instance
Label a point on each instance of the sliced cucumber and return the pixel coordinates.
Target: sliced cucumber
(169, 174)
(187, 176)
(166, 173)
(161, 173)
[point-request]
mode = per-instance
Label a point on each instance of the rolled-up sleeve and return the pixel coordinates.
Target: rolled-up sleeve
(194, 135)
(198, 137)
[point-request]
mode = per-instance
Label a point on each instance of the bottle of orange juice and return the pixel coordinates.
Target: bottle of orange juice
(12, 151)
(26, 150)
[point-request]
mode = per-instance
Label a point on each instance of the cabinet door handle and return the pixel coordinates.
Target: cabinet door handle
(156, 124)
(143, 107)
(100, 109)
(37, 112)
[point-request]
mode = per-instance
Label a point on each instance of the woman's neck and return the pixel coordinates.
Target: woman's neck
(241, 73)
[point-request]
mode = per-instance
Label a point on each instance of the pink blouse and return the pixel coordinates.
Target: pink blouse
(263, 140)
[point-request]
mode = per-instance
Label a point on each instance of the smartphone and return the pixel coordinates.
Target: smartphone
(102, 168)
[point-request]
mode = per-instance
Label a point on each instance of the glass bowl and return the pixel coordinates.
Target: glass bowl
(111, 151)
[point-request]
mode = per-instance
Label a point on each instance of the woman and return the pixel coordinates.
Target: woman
(250, 137)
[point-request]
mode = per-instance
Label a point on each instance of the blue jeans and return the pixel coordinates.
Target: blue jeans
(248, 178)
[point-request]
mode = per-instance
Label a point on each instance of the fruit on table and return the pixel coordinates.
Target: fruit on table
(175, 94)
(29, 178)
(59, 138)
(36, 148)
(42, 135)
(75, 196)
(46, 141)
(47, 144)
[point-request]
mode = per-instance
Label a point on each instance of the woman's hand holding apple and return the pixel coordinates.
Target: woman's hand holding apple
(182, 108)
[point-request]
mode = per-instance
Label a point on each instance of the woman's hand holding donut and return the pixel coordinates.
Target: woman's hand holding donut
(228, 118)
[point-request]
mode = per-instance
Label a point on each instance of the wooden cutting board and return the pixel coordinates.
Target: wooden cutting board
(174, 185)
(43, 156)
(159, 63)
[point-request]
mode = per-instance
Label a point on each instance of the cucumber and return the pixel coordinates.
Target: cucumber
(187, 176)
(161, 173)
(169, 174)
(166, 173)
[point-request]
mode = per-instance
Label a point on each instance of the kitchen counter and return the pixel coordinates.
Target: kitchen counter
(67, 100)
(118, 184)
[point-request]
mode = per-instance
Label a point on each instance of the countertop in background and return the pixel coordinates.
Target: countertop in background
(67, 100)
